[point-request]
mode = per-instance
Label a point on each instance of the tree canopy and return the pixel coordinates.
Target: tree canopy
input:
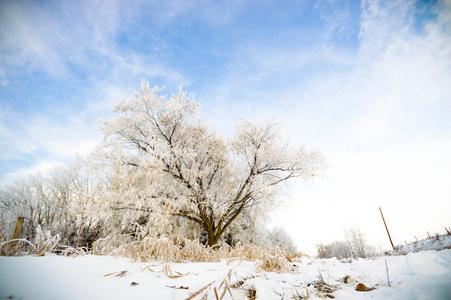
(166, 158)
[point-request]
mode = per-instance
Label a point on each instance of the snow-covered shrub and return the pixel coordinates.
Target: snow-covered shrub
(44, 242)
(338, 249)
(355, 245)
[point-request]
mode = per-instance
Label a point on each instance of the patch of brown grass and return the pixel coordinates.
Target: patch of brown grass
(274, 264)
(178, 249)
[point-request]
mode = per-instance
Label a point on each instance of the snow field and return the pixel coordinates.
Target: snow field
(422, 275)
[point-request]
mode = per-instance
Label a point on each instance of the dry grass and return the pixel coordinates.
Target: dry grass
(168, 272)
(117, 274)
(274, 264)
(164, 249)
(200, 291)
(178, 249)
(323, 288)
(256, 253)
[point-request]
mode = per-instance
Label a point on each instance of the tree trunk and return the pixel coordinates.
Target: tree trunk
(213, 238)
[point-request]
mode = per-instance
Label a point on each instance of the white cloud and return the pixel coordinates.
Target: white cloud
(52, 138)
(337, 19)
(382, 22)
(53, 37)
(40, 167)
(13, 141)
(25, 35)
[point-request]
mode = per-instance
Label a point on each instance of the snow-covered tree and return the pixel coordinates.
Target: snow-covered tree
(338, 249)
(358, 243)
(32, 199)
(354, 246)
(278, 237)
(165, 160)
(65, 201)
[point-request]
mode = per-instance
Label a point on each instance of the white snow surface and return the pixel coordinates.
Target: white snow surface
(421, 275)
(437, 242)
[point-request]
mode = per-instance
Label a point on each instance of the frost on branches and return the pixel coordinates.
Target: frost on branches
(164, 161)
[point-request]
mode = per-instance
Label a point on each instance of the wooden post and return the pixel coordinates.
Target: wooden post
(447, 231)
(391, 242)
(19, 226)
(429, 234)
(18, 230)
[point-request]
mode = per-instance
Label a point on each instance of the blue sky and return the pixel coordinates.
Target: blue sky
(366, 83)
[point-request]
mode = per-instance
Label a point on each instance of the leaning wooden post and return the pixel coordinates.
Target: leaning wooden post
(18, 230)
(19, 226)
(387, 229)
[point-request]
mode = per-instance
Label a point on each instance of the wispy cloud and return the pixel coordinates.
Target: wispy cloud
(12, 139)
(39, 167)
(59, 36)
(338, 19)
(25, 33)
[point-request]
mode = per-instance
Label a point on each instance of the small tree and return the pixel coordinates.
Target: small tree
(164, 156)
(338, 249)
(357, 242)
(280, 238)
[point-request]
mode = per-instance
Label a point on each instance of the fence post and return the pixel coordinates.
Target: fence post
(387, 229)
(18, 230)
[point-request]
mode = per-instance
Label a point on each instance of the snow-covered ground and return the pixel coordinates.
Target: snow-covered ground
(437, 242)
(421, 275)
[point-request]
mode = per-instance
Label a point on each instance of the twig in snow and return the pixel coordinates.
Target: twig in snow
(388, 277)
(118, 274)
(199, 291)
